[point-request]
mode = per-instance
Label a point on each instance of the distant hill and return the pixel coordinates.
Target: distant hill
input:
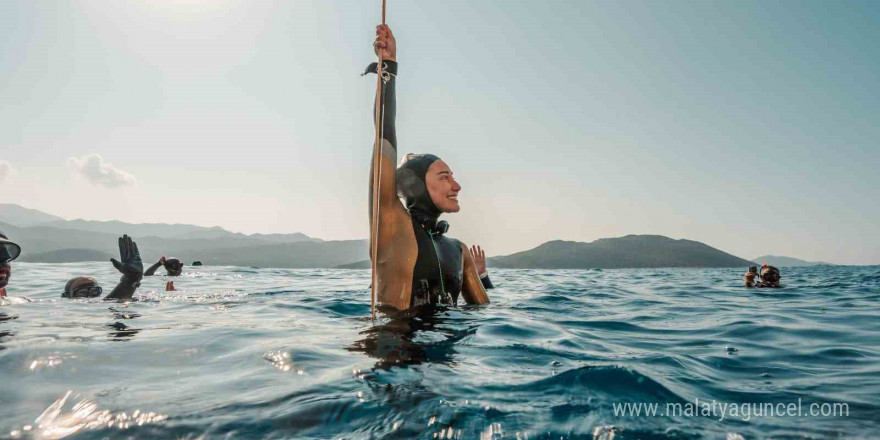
(631, 251)
(140, 230)
(305, 254)
(48, 238)
(363, 264)
(779, 261)
(285, 238)
(163, 230)
(48, 244)
(67, 256)
(20, 216)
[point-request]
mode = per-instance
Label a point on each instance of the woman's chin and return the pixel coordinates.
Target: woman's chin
(451, 208)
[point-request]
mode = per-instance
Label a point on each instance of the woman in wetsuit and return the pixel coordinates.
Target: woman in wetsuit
(417, 264)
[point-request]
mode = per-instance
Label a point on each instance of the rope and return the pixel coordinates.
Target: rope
(377, 178)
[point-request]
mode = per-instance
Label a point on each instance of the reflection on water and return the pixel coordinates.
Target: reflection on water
(122, 331)
(276, 353)
(5, 334)
(412, 338)
(57, 422)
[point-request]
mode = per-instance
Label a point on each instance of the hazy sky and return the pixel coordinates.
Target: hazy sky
(752, 126)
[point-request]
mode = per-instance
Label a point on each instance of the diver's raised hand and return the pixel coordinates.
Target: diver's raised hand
(479, 259)
(131, 258)
(385, 45)
(131, 268)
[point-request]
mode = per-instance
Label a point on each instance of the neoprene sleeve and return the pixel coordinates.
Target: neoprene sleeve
(152, 269)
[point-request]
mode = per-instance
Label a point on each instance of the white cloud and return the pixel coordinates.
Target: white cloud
(6, 170)
(96, 171)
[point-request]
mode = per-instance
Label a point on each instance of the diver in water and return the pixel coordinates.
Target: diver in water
(480, 261)
(130, 267)
(173, 267)
(9, 251)
(769, 277)
(417, 264)
(749, 278)
(83, 287)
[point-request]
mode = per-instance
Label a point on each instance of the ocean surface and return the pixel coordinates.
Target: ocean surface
(281, 353)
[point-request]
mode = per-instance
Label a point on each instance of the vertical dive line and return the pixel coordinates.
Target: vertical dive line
(377, 176)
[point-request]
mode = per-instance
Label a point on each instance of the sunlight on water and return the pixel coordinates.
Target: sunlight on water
(55, 423)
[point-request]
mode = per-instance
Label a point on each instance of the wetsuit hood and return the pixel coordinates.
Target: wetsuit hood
(411, 186)
(770, 274)
(92, 288)
(9, 251)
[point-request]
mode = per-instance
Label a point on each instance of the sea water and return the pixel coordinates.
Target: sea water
(284, 353)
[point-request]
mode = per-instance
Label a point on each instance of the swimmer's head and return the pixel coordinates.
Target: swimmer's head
(82, 287)
(770, 275)
(426, 183)
(173, 266)
(9, 251)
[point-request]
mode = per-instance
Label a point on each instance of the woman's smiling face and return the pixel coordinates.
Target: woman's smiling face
(442, 187)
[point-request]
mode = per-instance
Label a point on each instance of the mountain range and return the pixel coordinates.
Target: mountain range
(52, 239)
(779, 261)
(631, 251)
(46, 238)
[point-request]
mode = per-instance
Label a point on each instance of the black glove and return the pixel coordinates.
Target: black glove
(131, 264)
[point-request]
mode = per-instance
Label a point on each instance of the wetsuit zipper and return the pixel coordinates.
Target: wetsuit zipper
(439, 267)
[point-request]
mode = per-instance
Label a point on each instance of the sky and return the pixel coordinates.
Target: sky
(751, 126)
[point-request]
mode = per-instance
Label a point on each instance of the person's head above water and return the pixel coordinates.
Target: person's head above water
(173, 266)
(82, 287)
(427, 185)
(770, 275)
(9, 251)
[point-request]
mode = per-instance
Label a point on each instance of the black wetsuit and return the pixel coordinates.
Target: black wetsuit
(437, 253)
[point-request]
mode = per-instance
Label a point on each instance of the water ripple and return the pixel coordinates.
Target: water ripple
(291, 353)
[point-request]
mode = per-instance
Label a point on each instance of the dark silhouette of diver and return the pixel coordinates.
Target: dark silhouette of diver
(768, 277)
(130, 267)
(173, 267)
(394, 343)
(417, 262)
